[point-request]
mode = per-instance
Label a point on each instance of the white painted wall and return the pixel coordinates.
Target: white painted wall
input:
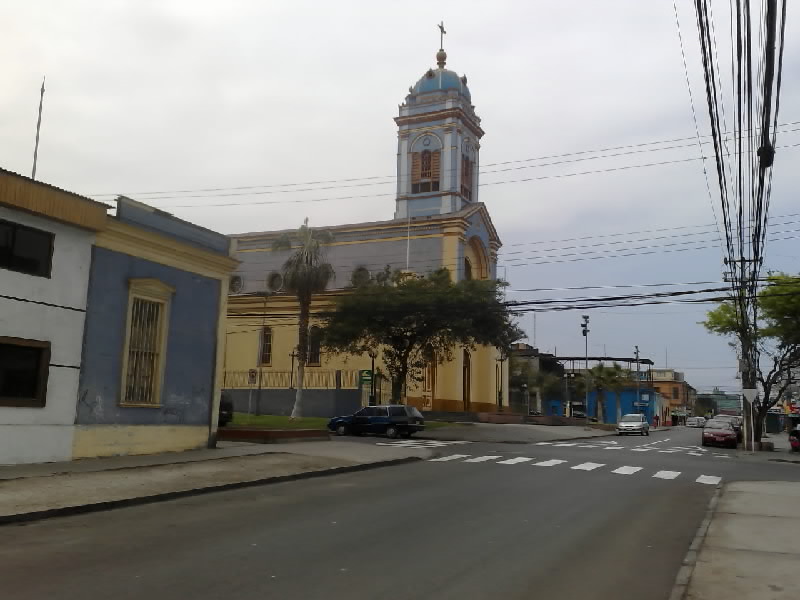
(29, 435)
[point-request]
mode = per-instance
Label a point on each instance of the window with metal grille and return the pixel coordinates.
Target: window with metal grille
(145, 341)
(265, 351)
(314, 346)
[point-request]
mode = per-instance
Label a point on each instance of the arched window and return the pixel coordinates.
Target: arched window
(265, 347)
(425, 171)
(467, 167)
(314, 346)
(467, 269)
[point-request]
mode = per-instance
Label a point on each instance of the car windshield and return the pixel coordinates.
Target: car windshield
(631, 419)
(718, 424)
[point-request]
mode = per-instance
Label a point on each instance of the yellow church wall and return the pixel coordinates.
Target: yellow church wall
(242, 354)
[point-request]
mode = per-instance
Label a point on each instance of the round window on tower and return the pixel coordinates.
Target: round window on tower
(274, 282)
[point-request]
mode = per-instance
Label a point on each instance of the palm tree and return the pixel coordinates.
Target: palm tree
(305, 273)
(607, 379)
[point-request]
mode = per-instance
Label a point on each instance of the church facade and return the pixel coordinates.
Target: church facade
(438, 222)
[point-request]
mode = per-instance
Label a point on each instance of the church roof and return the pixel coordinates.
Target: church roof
(464, 213)
(437, 80)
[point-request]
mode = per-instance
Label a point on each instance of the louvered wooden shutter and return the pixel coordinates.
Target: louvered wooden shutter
(416, 167)
(435, 162)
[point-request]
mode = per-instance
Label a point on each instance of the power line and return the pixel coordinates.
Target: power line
(394, 177)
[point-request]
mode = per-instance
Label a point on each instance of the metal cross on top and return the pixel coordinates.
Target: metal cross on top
(441, 35)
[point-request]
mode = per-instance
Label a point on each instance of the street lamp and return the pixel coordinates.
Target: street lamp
(585, 332)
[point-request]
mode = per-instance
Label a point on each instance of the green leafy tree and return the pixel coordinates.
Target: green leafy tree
(544, 383)
(601, 380)
(411, 320)
(777, 339)
(305, 273)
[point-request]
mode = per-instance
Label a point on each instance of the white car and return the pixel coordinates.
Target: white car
(633, 423)
(696, 422)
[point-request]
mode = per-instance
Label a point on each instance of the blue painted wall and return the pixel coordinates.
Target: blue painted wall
(627, 400)
(158, 221)
(191, 344)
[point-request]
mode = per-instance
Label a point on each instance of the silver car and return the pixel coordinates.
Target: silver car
(633, 423)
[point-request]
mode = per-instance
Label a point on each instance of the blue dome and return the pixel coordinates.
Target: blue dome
(436, 80)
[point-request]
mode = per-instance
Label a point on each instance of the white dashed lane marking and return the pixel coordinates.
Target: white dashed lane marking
(627, 470)
(451, 457)
(543, 443)
(479, 459)
(613, 448)
(588, 466)
(515, 461)
(564, 445)
(708, 479)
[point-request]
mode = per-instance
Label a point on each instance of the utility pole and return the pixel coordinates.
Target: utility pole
(638, 381)
(38, 127)
(585, 333)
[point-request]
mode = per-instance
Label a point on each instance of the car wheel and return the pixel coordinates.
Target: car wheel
(342, 429)
(647, 432)
(391, 431)
(405, 434)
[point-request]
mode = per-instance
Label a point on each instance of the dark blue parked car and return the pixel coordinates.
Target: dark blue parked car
(392, 420)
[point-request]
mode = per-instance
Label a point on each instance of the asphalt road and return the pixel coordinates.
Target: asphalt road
(444, 529)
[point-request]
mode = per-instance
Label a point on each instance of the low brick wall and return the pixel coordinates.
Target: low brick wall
(269, 436)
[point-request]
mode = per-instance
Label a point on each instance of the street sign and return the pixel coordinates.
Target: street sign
(643, 403)
(252, 375)
(750, 394)
(365, 377)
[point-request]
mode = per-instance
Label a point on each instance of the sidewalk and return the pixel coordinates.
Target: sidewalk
(30, 492)
(750, 550)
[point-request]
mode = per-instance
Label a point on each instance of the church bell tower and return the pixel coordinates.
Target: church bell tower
(438, 144)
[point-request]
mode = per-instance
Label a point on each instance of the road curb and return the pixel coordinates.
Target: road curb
(138, 501)
(684, 576)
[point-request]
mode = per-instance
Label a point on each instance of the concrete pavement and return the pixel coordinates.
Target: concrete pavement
(512, 433)
(750, 550)
(35, 491)
(430, 529)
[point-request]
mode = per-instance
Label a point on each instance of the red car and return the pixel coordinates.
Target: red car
(717, 432)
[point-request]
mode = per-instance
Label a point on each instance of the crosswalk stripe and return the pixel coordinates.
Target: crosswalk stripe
(549, 463)
(695, 453)
(543, 443)
(667, 474)
(590, 446)
(613, 448)
(564, 445)
(641, 449)
(451, 457)
(668, 451)
(588, 466)
(515, 461)
(627, 470)
(708, 479)
(478, 459)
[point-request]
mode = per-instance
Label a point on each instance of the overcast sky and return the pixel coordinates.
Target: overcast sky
(187, 95)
